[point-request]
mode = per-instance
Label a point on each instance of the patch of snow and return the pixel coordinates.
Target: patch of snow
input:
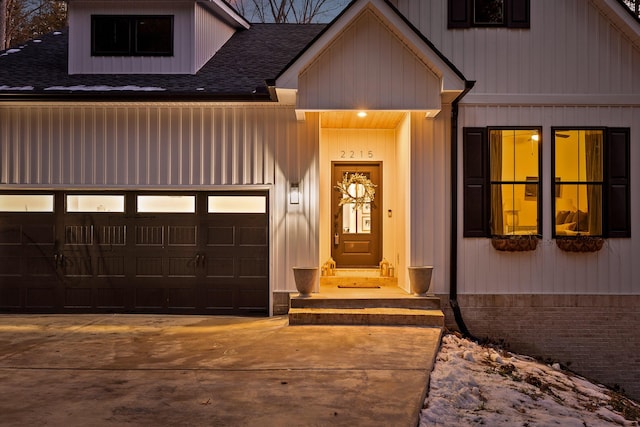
(107, 88)
(57, 33)
(475, 385)
(37, 41)
(5, 87)
(13, 50)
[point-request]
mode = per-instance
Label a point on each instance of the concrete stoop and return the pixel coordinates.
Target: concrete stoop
(366, 316)
(367, 299)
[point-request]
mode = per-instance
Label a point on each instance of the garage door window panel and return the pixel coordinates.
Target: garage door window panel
(166, 204)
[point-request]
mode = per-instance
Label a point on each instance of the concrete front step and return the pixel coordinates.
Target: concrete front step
(358, 282)
(408, 302)
(366, 316)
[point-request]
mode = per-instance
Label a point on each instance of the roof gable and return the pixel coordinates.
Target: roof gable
(369, 46)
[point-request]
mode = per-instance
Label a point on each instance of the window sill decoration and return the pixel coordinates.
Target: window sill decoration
(580, 244)
(357, 189)
(517, 243)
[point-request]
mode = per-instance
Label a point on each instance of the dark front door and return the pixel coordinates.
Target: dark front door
(356, 206)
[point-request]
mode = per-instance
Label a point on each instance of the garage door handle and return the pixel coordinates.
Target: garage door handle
(59, 259)
(199, 259)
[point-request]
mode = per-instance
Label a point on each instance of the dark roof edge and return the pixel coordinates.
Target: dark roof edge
(263, 96)
(404, 19)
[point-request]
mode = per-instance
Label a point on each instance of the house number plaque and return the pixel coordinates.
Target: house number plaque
(356, 154)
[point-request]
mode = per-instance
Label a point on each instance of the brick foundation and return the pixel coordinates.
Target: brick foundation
(280, 303)
(597, 336)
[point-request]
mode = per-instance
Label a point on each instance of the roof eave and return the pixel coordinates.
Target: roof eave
(95, 96)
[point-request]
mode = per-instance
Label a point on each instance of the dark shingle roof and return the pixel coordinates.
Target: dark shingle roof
(237, 71)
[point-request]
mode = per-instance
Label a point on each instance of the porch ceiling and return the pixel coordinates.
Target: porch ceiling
(350, 119)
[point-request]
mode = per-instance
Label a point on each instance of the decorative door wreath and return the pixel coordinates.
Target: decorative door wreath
(359, 200)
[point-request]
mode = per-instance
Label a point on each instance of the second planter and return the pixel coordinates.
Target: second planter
(305, 278)
(420, 279)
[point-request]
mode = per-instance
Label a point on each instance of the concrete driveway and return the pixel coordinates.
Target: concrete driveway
(153, 370)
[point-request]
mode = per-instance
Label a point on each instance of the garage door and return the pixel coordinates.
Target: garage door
(135, 252)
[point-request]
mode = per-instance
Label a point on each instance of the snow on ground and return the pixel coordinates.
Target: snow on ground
(477, 385)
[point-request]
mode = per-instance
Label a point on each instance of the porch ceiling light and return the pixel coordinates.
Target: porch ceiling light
(362, 114)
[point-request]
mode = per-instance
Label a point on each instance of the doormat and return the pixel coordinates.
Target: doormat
(359, 285)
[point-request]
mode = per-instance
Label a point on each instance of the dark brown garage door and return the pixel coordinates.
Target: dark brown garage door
(135, 252)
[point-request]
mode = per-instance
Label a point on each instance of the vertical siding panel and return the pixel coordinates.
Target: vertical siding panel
(218, 145)
(142, 146)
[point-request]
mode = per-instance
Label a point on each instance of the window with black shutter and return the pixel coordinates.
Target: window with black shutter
(590, 182)
(489, 13)
(502, 181)
(591, 170)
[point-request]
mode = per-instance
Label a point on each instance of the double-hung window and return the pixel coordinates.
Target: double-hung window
(125, 35)
(502, 181)
(488, 13)
(591, 184)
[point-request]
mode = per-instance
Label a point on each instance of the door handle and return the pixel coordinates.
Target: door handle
(199, 259)
(336, 239)
(58, 260)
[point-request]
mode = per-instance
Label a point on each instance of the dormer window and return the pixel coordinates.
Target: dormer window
(125, 35)
(488, 13)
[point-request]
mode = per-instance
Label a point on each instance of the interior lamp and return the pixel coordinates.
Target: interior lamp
(294, 193)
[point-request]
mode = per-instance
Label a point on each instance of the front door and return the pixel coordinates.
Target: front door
(356, 206)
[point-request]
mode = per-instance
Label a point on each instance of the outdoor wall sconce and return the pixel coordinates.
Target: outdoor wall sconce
(294, 193)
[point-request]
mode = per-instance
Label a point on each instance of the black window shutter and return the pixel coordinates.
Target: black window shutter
(518, 14)
(475, 181)
(459, 14)
(617, 181)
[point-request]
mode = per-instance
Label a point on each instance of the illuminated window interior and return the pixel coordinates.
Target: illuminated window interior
(515, 182)
(26, 202)
(166, 204)
(95, 203)
(578, 182)
(237, 204)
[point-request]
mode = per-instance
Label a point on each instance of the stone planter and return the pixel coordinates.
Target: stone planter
(420, 279)
(305, 278)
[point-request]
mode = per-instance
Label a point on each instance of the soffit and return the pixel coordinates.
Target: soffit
(350, 120)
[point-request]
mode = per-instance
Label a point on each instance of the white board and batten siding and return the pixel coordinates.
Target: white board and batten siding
(210, 35)
(174, 147)
(368, 67)
(197, 36)
(573, 67)
(571, 48)
(549, 270)
(430, 196)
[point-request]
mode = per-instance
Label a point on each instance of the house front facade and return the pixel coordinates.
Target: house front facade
(176, 158)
